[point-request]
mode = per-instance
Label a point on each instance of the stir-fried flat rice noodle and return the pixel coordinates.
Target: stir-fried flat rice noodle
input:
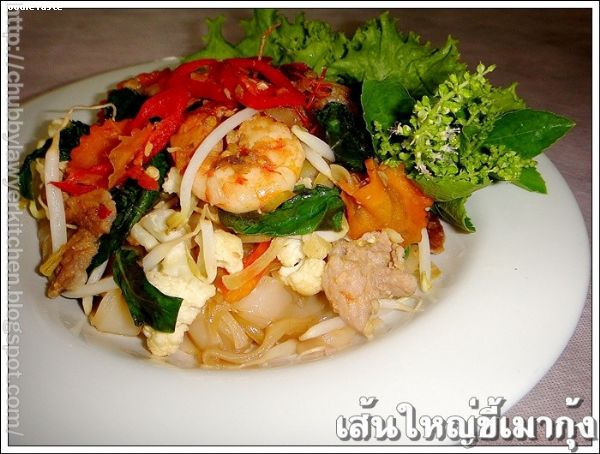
(314, 143)
(273, 333)
(227, 227)
(234, 281)
(95, 276)
(318, 162)
(103, 285)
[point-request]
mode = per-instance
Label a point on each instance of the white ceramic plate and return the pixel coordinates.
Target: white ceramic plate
(508, 304)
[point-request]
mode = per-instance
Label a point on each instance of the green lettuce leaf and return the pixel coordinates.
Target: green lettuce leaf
(375, 52)
(378, 51)
(311, 42)
(215, 45)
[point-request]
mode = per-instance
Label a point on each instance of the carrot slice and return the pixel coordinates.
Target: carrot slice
(231, 296)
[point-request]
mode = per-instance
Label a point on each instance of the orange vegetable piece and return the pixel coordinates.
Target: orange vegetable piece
(94, 148)
(125, 153)
(258, 250)
(388, 200)
(231, 296)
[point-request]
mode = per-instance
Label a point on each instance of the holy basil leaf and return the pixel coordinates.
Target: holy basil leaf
(347, 137)
(26, 173)
(127, 101)
(69, 139)
(531, 180)
(527, 131)
(455, 213)
(147, 304)
(386, 101)
(320, 208)
(132, 203)
(446, 189)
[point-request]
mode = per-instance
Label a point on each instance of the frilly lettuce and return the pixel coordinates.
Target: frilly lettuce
(375, 52)
(311, 42)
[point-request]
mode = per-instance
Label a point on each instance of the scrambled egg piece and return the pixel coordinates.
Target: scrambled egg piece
(143, 237)
(291, 252)
(153, 229)
(306, 279)
(173, 277)
(172, 181)
(303, 274)
(155, 223)
(229, 251)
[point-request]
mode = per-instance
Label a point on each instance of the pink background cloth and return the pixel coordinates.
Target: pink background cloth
(547, 51)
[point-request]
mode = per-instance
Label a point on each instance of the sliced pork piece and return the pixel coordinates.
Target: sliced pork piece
(71, 271)
(93, 213)
(359, 273)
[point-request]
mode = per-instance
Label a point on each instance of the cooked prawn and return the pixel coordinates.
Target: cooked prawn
(261, 160)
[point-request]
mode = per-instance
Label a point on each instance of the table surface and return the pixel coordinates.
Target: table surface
(547, 51)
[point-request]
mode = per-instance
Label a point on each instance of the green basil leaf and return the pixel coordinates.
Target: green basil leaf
(386, 101)
(127, 101)
(455, 213)
(132, 203)
(147, 304)
(527, 131)
(69, 139)
(446, 189)
(320, 208)
(531, 180)
(348, 138)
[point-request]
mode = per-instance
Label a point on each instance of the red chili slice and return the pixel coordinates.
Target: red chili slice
(143, 179)
(103, 211)
(162, 134)
(182, 73)
(275, 91)
(163, 104)
(155, 77)
(72, 188)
